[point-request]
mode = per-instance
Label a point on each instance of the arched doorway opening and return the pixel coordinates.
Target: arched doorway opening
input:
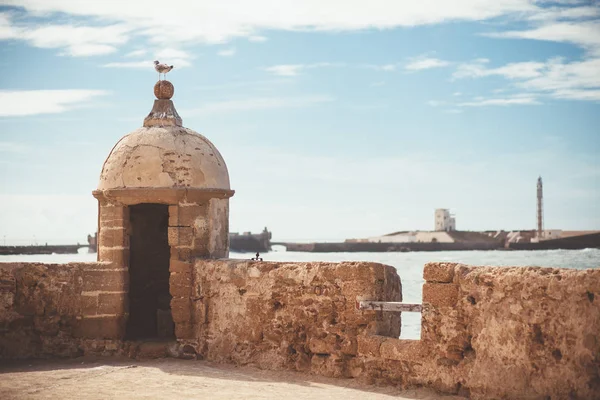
(149, 298)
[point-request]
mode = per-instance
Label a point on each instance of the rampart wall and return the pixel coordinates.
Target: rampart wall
(61, 310)
(298, 316)
(487, 332)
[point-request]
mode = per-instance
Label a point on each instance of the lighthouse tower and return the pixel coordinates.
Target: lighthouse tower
(540, 208)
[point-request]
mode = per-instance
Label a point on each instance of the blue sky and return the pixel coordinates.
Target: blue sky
(337, 119)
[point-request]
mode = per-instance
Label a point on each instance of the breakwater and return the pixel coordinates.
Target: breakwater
(590, 241)
(571, 243)
(46, 249)
(350, 247)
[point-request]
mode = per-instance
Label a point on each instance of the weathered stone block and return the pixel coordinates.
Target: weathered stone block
(440, 294)
(181, 309)
(401, 349)
(100, 328)
(180, 279)
(113, 237)
(178, 266)
(200, 248)
(97, 266)
(349, 346)
(114, 216)
(47, 325)
(181, 236)
(181, 253)
(112, 303)
(108, 281)
(369, 345)
(320, 346)
(328, 365)
(114, 212)
(439, 272)
(118, 257)
(184, 330)
(189, 213)
(180, 291)
(8, 283)
(180, 284)
(173, 215)
(88, 305)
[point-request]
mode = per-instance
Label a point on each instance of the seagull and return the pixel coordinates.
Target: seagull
(162, 68)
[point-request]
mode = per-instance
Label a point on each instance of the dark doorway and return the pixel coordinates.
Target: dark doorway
(149, 297)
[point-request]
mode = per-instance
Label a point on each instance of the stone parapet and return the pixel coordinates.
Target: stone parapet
(48, 309)
(487, 332)
(290, 315)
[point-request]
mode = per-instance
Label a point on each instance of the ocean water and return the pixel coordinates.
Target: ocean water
(409, 266)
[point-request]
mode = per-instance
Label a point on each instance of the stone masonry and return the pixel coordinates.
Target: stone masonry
(487, 332)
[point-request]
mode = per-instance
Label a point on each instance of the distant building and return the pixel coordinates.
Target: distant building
(409, 237)
(444, 221)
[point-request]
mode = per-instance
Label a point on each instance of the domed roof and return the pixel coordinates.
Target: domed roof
(168, 156)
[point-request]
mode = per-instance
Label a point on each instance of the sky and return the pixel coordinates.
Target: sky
(337, 119)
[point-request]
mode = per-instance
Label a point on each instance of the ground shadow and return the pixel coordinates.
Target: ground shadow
(49, 372)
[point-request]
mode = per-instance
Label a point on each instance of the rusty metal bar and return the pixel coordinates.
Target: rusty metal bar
(388, 306)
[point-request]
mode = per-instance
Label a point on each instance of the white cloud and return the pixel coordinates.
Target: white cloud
(565, 13)
(211, 22)
(167, 53)
(183, 22)
(260, 103)
(425, 63)
(377, 84)
(285, 69)
(74, 40)
(518, 70)
(84, 50)
(520, 100)
(146, 64)
(560, 75)
(227, 52)
(296, 69)
(31, 102)
(577, 80)
(457, 94)
(575, 94)
(388, 67)
(176, 57)
(383, 67)
(585, 34)
(136, 53)
(130, 64)
(257, 39)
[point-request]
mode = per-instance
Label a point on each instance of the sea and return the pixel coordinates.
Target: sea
(409, 266)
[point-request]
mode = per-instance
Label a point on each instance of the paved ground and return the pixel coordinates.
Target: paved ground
(178, 379)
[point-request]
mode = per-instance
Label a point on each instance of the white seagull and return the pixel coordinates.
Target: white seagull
(162, 68)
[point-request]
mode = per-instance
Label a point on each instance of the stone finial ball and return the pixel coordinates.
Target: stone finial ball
(164, 90)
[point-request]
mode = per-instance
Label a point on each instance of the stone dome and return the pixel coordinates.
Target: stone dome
(168, 156)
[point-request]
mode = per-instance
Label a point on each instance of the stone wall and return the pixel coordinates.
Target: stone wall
(61, 310)
(494, 332)
(487, 332)
(298, 316)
